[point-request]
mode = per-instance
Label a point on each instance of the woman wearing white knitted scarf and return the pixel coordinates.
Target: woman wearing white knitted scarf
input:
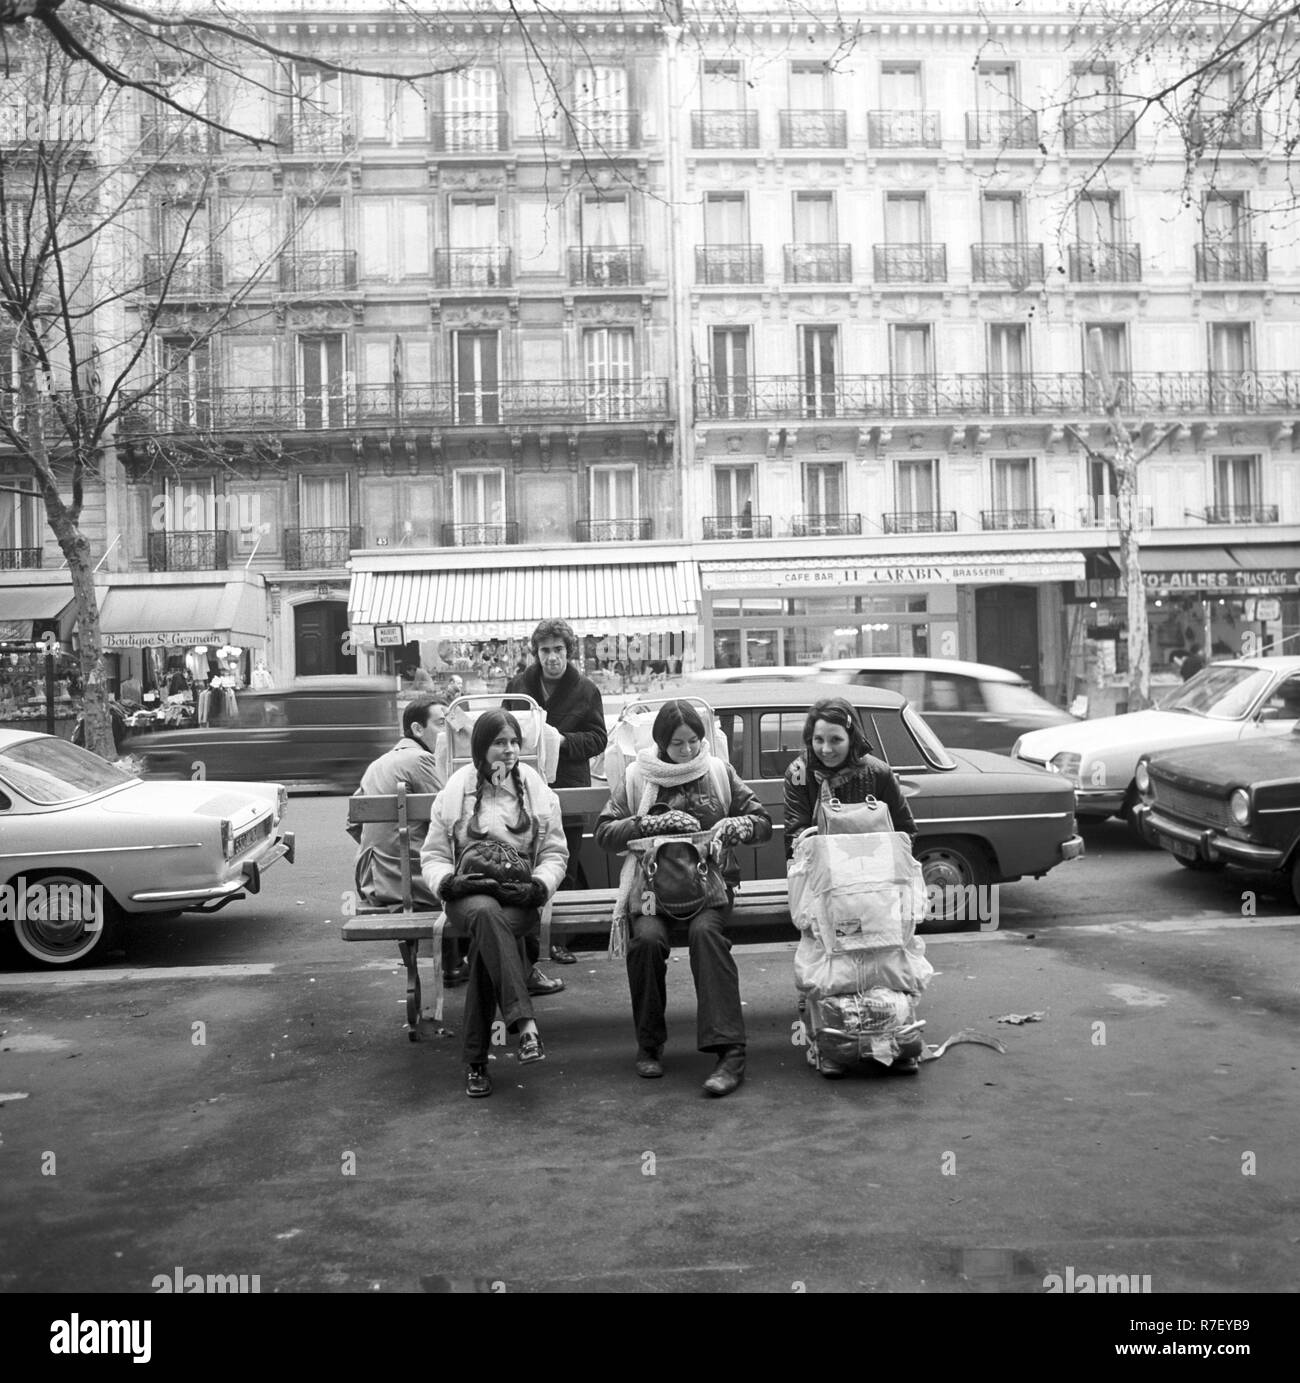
(680, 788)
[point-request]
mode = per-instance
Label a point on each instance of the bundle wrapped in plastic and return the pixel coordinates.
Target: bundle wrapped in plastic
(856, 892)
(904, 968)
(848, 1028)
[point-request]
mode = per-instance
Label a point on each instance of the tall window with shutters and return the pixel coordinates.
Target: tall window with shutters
(477, 382)
(607, 356)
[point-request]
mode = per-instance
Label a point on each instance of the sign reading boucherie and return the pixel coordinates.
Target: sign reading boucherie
(729, 575)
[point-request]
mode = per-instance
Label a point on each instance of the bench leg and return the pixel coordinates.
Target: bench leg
(547, 910)
(411, 958)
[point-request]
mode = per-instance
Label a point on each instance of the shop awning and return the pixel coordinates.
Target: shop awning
(136, 616)
(507, 602)
(1264, 566)
(33, 602)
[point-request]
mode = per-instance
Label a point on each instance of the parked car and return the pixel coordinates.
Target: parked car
(968, 705)
(84, 845)
(981, 818)
(319, 735)
(777, 672)
(1243, 700)
(1226, 804)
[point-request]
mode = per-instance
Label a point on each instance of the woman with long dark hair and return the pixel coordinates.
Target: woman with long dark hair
(679, 787)
(494, 854)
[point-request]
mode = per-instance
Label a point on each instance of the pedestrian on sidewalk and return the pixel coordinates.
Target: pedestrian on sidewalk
(493, 856)
(679, 787)
(574, 707)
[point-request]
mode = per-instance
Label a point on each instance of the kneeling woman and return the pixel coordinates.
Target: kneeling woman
(495, 800)
(679, 787)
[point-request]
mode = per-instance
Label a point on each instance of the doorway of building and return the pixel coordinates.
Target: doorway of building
(1006, 629)
(321, 641)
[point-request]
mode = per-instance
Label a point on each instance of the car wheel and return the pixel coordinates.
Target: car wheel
(951, 865)
(71, 920)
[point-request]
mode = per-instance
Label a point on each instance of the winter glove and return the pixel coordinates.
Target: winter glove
(462, 885)
(518, 895)
(734, 830)
(671, 823)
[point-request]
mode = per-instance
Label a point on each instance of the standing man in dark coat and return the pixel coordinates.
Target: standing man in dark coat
(574, 708)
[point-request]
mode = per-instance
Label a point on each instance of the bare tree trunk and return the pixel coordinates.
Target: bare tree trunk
(1130, 557)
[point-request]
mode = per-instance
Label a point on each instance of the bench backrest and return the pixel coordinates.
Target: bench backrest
(402, 807)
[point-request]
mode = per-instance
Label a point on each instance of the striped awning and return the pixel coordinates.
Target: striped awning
(507, 602)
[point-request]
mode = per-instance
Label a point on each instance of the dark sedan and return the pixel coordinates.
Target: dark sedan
(318, 736)
(1223, 804)
(981, 818)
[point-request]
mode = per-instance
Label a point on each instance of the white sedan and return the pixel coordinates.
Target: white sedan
(84, 845)
(1242, 700)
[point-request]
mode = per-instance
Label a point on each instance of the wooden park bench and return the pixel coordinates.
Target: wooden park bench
(572, 912)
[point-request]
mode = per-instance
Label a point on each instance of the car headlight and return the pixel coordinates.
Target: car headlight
(1239, 806)
(1143, 779)
(281, 802)
(1067, 765)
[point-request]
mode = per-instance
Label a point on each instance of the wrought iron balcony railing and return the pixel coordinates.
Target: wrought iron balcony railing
(318, 271)
(61, 413)
(1228, 129)
(601, 131)
(472, 132)
(903, 129)
(1241, 513)
(320, 549)
(818, 263)
(286, 407)
(180, 275)
(612, 266)
(21, 558)
(183, 550)
(738, 526)
(1016, 264)
(724, 129)
(1103, 512)
(314, 135)
(728, 264)
(486, 266)
(1098, 127)
(1105, 263)
(919, 263)
(169, 134)
(826, 525)
(813, 129)
(480, 534)
(1227, 262)
(614, 530)
(1175, 394)
(1017, 518)
(920, 521)
(1001, 129)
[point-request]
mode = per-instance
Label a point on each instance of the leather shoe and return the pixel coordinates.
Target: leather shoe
(728, 1073)
(832, 1070)
(457, 975)
(539, 984)
(648, 1064)
(561, 955)
(477, 1081)
(531, 1048)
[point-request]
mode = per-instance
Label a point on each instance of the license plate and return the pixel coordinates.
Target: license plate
(1178, 847)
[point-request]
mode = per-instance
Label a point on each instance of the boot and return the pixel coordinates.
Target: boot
(728, 1073)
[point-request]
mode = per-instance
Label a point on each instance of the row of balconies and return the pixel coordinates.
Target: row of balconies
(314, 549)
(1012, 263)
(887, 397)
(275, 407)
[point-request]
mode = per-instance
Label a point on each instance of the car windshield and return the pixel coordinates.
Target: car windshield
(1220, 692)
(1015, 698)
(49, 771)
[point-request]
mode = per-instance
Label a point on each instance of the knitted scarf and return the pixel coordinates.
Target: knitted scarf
(653, 773)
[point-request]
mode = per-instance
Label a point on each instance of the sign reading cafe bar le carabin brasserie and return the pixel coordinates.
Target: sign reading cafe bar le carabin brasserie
(865, 572)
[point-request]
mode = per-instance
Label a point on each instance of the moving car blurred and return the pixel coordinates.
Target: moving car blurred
(1244, 700)
(981, 818)
(319, 735)
(83, 845)
(1226, 804)
(968, 705)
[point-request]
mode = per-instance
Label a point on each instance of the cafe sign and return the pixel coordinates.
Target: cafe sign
(918, 572)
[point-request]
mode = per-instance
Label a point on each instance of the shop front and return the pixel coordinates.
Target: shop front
(465, 620)
(40, 680)
(1222, 602)
(800, 610)
(180, 650)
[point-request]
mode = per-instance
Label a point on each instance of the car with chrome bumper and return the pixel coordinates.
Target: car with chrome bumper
(981, 818)
(1226, 804)
(85, 846)
(1249, 700)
